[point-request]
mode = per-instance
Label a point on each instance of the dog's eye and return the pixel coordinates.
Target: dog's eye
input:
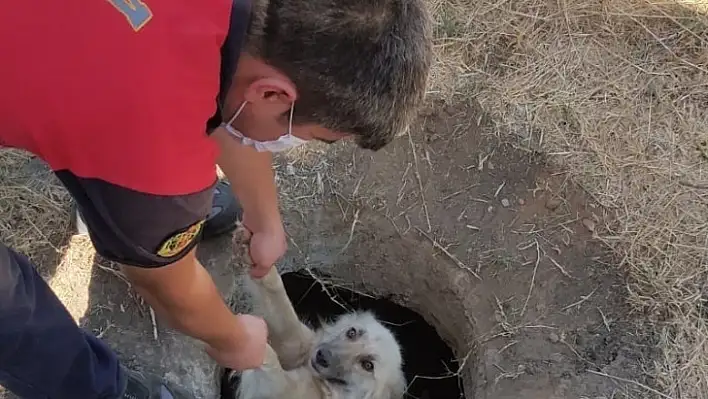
(352, 333)
(367, 365)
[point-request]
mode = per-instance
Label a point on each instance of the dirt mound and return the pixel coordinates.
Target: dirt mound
(614, 92)
(486, 243)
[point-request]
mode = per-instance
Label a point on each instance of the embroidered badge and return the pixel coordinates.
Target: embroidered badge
(175, 244)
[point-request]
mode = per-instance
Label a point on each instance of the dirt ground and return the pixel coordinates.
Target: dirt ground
(559, 247)
(540, 311)
(544, 299)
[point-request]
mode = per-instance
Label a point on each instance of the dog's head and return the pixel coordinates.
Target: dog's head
(360, 358)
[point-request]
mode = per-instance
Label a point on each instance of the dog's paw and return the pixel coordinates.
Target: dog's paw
(272, 281)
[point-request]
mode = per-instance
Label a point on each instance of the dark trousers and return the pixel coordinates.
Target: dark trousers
(43, 353)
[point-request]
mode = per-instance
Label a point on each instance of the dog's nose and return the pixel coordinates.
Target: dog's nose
(322, 357)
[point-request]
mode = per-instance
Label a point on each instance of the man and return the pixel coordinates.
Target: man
(115, 96)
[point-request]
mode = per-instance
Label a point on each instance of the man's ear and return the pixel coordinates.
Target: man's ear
(271, 96)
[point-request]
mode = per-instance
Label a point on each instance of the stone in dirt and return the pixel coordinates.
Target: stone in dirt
(552, 204)
(589, 224)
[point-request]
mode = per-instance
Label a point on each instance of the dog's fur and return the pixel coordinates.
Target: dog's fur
(355, 357)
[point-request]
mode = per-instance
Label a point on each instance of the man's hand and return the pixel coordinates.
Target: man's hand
(264, 247)
(251, 349)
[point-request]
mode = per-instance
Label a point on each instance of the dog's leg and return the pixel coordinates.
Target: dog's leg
(290, 338)
(270, 381)
(271, 358)
(267, 381)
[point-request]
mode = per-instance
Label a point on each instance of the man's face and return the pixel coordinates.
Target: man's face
(264, 126)
(265, 98)
(318, 133)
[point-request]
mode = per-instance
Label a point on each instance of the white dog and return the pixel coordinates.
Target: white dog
(355, 357)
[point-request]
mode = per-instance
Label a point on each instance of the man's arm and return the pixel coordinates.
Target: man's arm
(154, 237)
(252, 179)
(185, 295)
(253, 182)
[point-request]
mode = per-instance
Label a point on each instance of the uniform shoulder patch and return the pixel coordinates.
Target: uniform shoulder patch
(180, 240)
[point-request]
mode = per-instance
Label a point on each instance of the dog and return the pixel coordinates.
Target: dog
(354, 357)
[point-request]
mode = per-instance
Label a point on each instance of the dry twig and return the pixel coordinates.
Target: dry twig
(640, 385)
(420, 182)
(533, 276)
(153, 319)
(448, 254)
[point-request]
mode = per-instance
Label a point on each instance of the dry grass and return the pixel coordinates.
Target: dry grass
(616, 92)
(34, 207)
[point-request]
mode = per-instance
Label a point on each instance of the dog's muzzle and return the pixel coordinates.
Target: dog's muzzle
(326, 365)
(323, 358)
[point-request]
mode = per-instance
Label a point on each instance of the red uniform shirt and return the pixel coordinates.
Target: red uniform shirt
(118, 90)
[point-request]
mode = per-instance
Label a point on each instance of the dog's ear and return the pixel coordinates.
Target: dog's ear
(395, 389)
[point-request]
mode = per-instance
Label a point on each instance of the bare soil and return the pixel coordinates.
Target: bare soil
(541, 311)
(486, 241)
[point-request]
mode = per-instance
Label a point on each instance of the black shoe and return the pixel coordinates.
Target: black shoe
(150, 386)
(225, 212)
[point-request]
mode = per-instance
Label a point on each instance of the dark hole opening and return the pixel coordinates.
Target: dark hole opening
(425, 354)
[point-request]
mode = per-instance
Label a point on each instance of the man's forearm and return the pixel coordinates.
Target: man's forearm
(190, 302)
(252, 179)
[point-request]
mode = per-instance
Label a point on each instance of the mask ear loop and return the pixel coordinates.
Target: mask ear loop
(290, 126)
(237, 113)
(290, 122)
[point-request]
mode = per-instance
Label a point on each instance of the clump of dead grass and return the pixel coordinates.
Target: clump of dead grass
(34, 207)
(615, 91)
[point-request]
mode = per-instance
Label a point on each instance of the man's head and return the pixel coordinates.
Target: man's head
(348, 67)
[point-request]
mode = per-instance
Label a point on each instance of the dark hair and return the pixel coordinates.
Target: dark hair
(360, 66)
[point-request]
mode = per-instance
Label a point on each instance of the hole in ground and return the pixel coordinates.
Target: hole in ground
(429, 362)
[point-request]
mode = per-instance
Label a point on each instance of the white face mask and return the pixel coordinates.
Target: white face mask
(283, 143)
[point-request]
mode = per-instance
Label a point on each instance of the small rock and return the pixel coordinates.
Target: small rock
(290, 170)
(552, 204)
(522, 202)
(579, 340)
(505, 202)
(490, 209)
(589, 224)
(427, 111)
(490, 165)
(557, 358)
(553, 337)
